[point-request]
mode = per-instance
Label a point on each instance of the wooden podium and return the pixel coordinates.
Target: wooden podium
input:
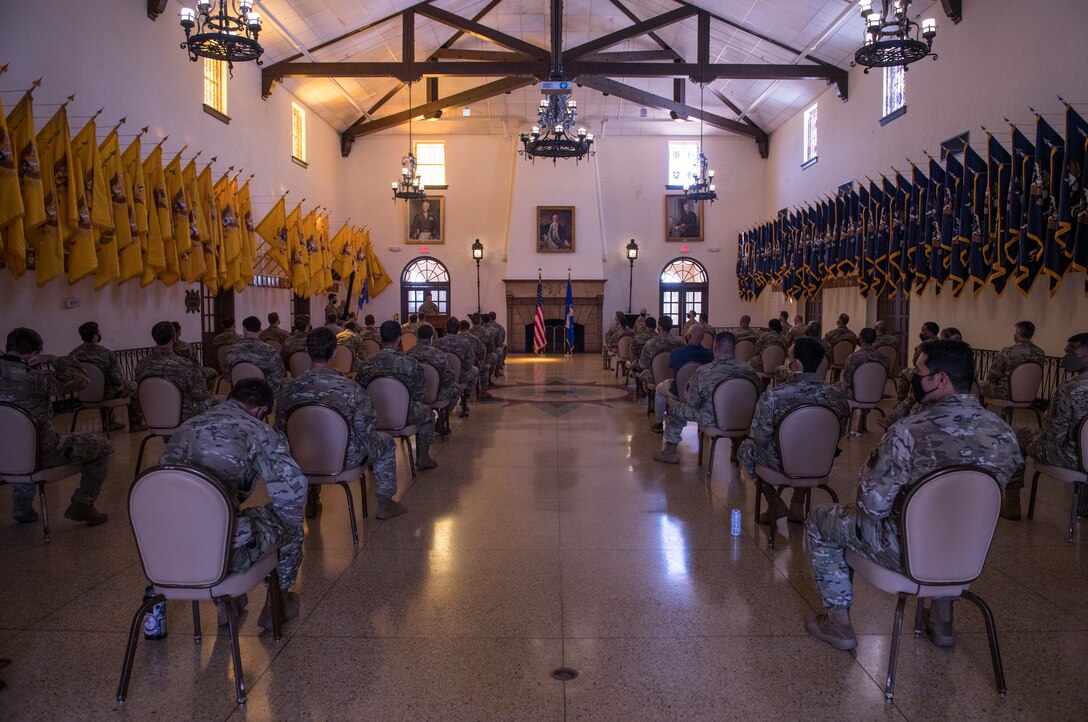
(439, 321)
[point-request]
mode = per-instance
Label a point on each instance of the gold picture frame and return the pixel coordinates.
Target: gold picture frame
(679, 227)
(557, 238)
(426, 220)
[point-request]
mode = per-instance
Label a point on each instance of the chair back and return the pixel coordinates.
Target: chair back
(744, 351)
(821, 370)
(1082, 444)
(735, 404)
(807, 437)
(341, 359)
(430, 383)
(632, 356)
(183, 520)
(408, 340)
(1024, 382)
(841, 350)
(318, 435)
(160, 400)
(623, 346)
(95, 391)
(391, 401)
(773, 356)
(20, 435)
(274, 344)
(683, 376)
(299, 363)
(891, 354)
(708, 340)
(244, 370)
(659, 367)
(370, 347)
(948, 523)
(455, 362)
(221, 356)
(868, 382)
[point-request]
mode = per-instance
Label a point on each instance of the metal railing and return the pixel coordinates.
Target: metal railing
(1053, 374)
(127, 359)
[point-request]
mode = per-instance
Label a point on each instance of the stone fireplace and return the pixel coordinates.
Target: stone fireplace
(521, 305)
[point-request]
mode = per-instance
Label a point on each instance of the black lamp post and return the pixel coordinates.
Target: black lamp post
(632, 254)
(477, 255)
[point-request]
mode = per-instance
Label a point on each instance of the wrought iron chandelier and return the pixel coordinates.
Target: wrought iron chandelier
(552, 137)
(222, 35)
(701, 187)
(892, 38)
(410, 187)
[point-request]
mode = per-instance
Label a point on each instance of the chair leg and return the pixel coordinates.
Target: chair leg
(235, 649)
(759, 497)
(75, 415)
(1031, 498)
(140, 455)
(1077, 491)
(277, 604)
(893, 658)
(407, 444)
(831, 493)
(351, 513)
(45, 511)
(130, 646)
(991, 633)
(774, 524)
(104, 416)
(699, 458)
(918, 617)
(198, 636)
(362, 493)
(710, 461)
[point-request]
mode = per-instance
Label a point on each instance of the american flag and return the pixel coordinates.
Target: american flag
(539, 340)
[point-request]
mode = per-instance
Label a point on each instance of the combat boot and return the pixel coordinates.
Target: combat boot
(776, 508)
(1010, 504)
(938, 620)
(834, 628)
(423, 457)
(78, 511)
(667, 455)
(313, 502)
(387, 508)
(797, 507)
(291, 605)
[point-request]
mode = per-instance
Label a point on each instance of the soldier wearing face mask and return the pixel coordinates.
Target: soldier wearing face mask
(1056, 442)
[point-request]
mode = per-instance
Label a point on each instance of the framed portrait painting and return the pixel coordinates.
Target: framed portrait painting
(554, 229)
(425, 220)
(683, 219)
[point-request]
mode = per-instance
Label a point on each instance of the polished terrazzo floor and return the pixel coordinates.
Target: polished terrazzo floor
(546, 538)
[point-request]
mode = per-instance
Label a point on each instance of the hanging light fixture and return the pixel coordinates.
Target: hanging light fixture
(888, 40)
(222, 35)
(701, 187)
(410, 186)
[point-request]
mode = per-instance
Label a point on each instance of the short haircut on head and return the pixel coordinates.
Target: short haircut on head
(452, 324)
(273, 318)
(492, 315)
(177, 327)
(695, 335)
(389, 331)
(1026, 328)
(955, 359)
(252, 393)
(745, 320)
(950, 333)
(651, 322)
(845, 318)
(665, 323)
(425, 331)
(413, 318)
(251, 324)
(931, 327)
(369, 319)
(228, 322)
(330, 318)
(163, 332)
(775, 325)
(332, 296)
(464, 326)
(812, 329)
(784, 314)
(867, 335)
(87, 331)
(703, 317)
(321, 344)
(1078, 339)
(809, 352)
(352, 326)
(23, 341)
(724, 341)
(301, 322)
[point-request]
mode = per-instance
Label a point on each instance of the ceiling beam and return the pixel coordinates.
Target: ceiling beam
(489, 55)
(653, 36)
(483, 32)
(642, 97)
(639, 28)
(476, 18)
(953, 9)
(633, 55)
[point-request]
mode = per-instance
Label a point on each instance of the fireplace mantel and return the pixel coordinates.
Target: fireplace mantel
(521, 305)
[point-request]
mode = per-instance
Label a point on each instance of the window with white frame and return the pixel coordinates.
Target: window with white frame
(215, 87)
(809, 149)
(895, 81)
(431, 163)
(298, 133)
(683, 162)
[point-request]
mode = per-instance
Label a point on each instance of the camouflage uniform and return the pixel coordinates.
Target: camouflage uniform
(902, 384)
(261, 355)
(31, 389)
(186, 375)
(483, 368)
(660, 342)
(746, 334)
(116, 385)
(237, 449)
(448, 388)
(371, 333)
(803, 389)
(861, 355)
(354, 343)
(429, 308)
(365, 443)
(794, 333)
(494, 343)
(464, 350)
(996, 385)
(952, 431)
(640, 341)
(225, 338)
(293, 344)
(608, 339)
(840, 334)
(640, 324)
(389, 362)
(767, 338)
(698, 405)
(1056, 442)
(187, 351)
(274, 333)
(887, 339)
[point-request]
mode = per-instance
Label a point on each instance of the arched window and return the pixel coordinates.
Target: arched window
(684, 287)
(420, 276)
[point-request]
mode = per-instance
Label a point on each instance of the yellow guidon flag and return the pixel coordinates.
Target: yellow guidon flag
(24, 149)
(132, 256)
(61, 195)
(273, 229)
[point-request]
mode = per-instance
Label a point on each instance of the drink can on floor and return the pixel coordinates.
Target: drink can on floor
(154, 620)
(734, 522)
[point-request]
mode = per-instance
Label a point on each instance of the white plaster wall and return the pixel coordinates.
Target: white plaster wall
(112, 56)
(1005, 56)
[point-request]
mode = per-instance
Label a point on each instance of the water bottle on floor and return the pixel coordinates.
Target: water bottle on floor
(154, 620)
(734, 522)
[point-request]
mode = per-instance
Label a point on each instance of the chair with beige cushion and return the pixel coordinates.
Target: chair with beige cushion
(892, 354)
(184, 520)
(319, 436)
(432, 382)
(370, 347)
(661, 371)
(1077, 477)
(822, 369)
(19, 463)
(274, 344)
(392, 401)
(773, 356)
(806, 439)
(408, 341)
(221, 357)
(623, 350)
(867, 387)
(947, 524)
(93, 396)
(299, 363)
(1024, 383)
(244, 370)
(342, 359)
(629, 366)
(683, 378)
(839, 353)
(745, 350)
(734, 405)
(160, 400)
